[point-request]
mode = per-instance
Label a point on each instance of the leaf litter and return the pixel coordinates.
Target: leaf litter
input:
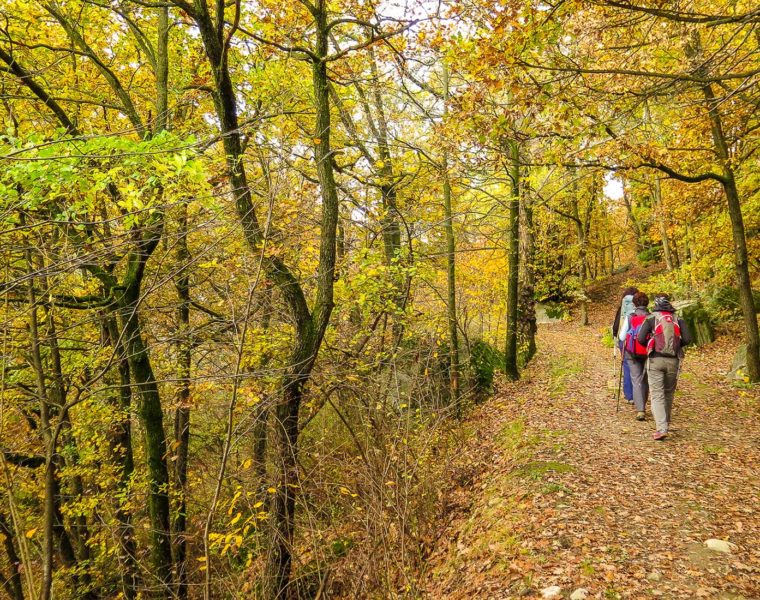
(559, 489)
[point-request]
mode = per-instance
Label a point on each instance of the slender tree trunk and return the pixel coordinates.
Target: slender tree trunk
(451, 295)
(309, 335)
(261, 425)
(636, 226)
(46, 582)
(310, 326)
(582, 228)
(151, 416)
(513, 276)
(582, 271)
(11, 583)
(122, 455)
(689, 243)
(527, 284)
(389, 191)
(182, 413)
(662, 223)
(162, 70)
(612, 256)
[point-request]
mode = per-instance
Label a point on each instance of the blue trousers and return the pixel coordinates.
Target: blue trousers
(627, 383)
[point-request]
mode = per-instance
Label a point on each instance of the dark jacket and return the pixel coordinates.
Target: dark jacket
(647, 327)
(640, 310)
(616, 323)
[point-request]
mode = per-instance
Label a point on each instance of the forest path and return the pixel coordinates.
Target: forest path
(556, 488)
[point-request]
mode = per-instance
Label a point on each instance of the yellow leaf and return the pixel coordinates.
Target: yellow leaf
(247, 464)
(258, 504)
(317, 141)
(201, 559)
(236, 518)
(271, 490)
(30, 534)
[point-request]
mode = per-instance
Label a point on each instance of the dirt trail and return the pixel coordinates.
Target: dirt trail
(556, 488)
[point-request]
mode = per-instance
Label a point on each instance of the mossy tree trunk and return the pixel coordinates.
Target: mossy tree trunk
(513, 260)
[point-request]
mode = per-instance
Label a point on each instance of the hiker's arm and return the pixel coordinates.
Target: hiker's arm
(616, 323)
(686, 338)
(623, 331)
(644, 331)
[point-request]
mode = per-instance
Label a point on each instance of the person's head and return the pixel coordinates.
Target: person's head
(662, 302)
(640, 299)
(629, 291)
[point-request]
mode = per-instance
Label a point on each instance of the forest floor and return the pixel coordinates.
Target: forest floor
(556, 488)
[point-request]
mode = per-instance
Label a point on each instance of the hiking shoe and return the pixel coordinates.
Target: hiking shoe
(640, 416)
(659, 436)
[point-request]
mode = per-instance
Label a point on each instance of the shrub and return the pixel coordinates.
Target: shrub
(485, 360)
(650, 255)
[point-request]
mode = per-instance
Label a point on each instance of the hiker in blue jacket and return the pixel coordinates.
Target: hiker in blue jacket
(635, 354)
(624, 309)
(665, 335)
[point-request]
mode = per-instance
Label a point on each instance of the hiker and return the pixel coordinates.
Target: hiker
(624, 309)
(635, 353)
(665, 335)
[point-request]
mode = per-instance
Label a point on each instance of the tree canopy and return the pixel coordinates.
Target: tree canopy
(257, 256)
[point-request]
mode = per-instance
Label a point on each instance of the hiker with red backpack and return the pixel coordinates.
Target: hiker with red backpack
(665, 336)
(635, 353)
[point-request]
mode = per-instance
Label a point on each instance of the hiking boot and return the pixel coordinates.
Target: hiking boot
(640, 416)
(659, 436)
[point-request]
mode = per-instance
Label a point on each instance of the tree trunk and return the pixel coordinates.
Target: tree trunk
(182, 413)
(662, 223)
(582, 227)
(151, 416)
(689, 243)
(11, 583)
(122, 455)
(49, 511)
(637, 229)
(513, 240)
(527, 284)
(310, 326)
(261, 423)
(451, 294)
(728, 181)
(741, 260)
(282, 508)
(309, 335)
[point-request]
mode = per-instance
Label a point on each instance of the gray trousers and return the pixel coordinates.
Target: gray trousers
(639, 379)
(663, 377)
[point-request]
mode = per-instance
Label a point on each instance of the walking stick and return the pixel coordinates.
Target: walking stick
(620, 381)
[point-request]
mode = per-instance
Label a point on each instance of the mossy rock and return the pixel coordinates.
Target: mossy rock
(700, 324)
(739, 364)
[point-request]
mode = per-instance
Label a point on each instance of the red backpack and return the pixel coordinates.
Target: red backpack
(666, 335)
(632, 345)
